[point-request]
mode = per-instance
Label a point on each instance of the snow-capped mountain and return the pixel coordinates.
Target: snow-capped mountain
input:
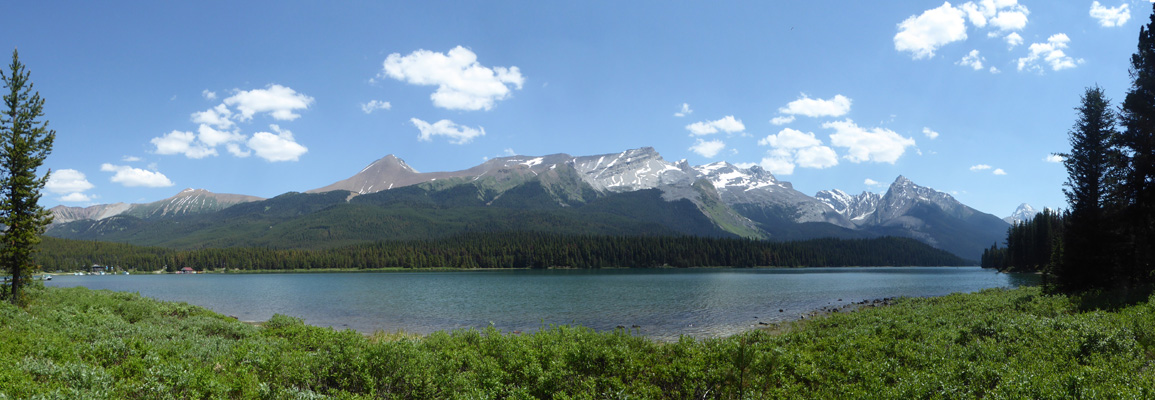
(856, 208)
(713, 199)
(1024, 213)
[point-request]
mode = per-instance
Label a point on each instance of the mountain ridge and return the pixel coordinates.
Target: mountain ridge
(604, 188)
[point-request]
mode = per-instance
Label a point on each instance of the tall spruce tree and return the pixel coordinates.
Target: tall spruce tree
(1137, 141)
(25, 142)
(1087, 257)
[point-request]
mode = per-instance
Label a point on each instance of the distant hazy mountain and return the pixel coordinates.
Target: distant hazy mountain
(1024, 213)
(631, 192)
(188, 201)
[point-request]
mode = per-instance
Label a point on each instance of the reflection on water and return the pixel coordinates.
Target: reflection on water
(661, 303)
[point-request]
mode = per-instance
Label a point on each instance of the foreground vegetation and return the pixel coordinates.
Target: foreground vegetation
(507, 250)
(76, 343)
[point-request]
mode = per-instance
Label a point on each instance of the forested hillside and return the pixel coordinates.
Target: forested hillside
(509, 250)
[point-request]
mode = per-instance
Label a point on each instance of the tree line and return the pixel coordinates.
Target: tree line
(505, 250)
(1106, 238)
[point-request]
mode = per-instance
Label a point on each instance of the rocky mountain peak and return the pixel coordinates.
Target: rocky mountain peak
(1023, 213)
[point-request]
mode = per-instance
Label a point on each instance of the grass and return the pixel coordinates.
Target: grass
(1005, 344)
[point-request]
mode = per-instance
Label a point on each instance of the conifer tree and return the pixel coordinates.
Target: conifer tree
(1137, 141)
(25, 142)
(1087, 260)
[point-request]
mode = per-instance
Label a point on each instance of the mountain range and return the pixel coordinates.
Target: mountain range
(635, 192)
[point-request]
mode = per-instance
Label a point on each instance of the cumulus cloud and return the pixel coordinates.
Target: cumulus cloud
(130, 159)
(68, 181)
(274, 147)
(999, 171)
(708, 149)
(871, 182)
(1004, 15)
(374, 105)
(782, 120)
(1013, 39)
(922, 34)
(778, 163)
(209, 95)
(180, 142)
(980, 167)
(75, 198)
(278, 101)
(1050, 53)
(457, 134)
(1053, 158)
(837, 106)
(972, 60)
(684, 111)
(790, 148)
(1110, 16)
(210, 137)
(929, 133)
(217, 126)
(727, 124)
(133, 177)
(876, 144)
(462, 83)
(217, 116)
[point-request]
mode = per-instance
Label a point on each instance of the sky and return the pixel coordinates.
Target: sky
(267, 97)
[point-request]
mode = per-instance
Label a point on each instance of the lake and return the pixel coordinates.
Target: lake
(661, 303)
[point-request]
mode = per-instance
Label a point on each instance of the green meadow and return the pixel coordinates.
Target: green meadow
(77, 343)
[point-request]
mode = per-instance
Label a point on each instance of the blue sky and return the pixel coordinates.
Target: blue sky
(262, 98)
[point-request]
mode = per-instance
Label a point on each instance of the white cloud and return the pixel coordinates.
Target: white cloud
(782, 120)
(790, 148)
(279, 101)
(995, 70)
(816, 157)
(929, 133)
(921, 35)
(980, 167)
(837, 106)
(130, 159)
(508, 152)
(778, 164)
(457, 134)
(210, 137)
(374, 105)
(1005, 15)
(877, 144)
(790, 139)
(1110, 16)
(973, 60)
(708, 149)
(276, 147)
(209, 95)
(67, 181)
(1011, 20)
(999, 171)
(235, 150)
(1013, 39)
(871, 182)
(132, 177)
(727, 124)
(75, 198)
(217, 116)
(462, 83)
(745, 165)
(685, 110)
(1053, 158)
(178, 142)
(1051, 53)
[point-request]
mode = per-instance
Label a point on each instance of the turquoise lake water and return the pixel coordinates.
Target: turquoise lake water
(661, 303)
